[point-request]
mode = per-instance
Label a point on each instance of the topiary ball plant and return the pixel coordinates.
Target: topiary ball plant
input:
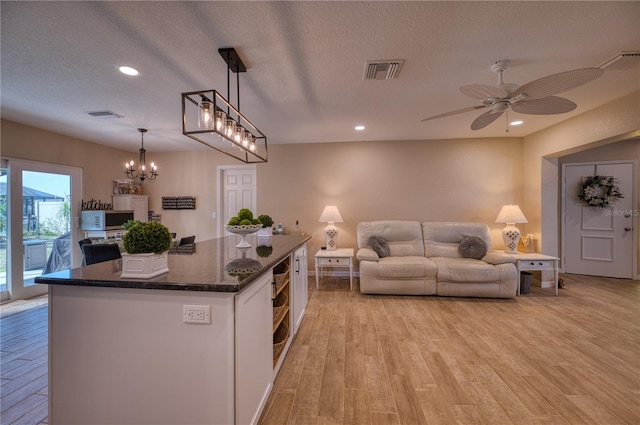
(265, 220)
(146, 238)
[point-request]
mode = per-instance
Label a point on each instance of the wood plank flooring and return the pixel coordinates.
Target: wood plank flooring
(537, 359)
(382, 360)
(23, 366)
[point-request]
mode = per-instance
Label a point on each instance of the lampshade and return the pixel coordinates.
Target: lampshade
(511, 214)
(330, 214)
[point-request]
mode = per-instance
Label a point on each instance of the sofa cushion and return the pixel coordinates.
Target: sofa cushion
(441, 239)
(380, 246)
(459, 270)
(406, 267)
(404, 237)
(472, 247)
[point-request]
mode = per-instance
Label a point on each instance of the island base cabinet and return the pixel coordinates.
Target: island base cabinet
(253, 350)
(300, 286)
(125, 356)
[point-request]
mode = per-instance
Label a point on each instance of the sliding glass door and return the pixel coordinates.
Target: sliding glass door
(41, 202)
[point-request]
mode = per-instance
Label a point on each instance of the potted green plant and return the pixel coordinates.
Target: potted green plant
(264, 234)
(146, 245)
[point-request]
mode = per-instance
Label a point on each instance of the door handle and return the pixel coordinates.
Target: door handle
(627, 229)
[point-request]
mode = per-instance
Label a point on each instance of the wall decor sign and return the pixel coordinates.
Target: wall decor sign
(599, 191)
(92, 205)
(178, 203)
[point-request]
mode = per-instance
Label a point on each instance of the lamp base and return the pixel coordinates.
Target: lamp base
(331, 237)
(511, 237)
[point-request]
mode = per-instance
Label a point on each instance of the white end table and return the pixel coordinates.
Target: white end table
(341, 257)
(526, 261)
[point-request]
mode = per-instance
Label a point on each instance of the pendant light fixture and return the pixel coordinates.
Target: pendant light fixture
(142, 174)
(210, 119)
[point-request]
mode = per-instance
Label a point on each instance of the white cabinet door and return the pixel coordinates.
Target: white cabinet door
(300, 288)
(139, 204)
(254, 350)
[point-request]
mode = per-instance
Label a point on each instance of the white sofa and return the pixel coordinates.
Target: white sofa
(424, 259)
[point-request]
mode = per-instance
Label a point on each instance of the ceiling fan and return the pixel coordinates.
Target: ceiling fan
(534, 98)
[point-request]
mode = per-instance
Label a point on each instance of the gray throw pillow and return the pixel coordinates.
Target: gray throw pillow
(380, 246)
(472, 247)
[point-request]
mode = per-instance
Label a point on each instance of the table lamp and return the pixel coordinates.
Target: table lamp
(331, 215)
(511, 214)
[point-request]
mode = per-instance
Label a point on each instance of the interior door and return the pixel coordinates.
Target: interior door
(238, 190)
(599, 241)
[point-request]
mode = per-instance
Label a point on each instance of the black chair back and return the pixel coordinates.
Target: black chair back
(98, 253)
(84, 242)
(187, 240)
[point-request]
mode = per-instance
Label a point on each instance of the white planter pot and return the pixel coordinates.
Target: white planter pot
(143, 266)
(264, 236)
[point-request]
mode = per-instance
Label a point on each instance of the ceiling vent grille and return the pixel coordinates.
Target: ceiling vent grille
(105, 115)
(621, 61)
(382, 70)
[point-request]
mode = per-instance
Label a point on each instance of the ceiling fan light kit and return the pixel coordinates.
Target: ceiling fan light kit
(534, 98)
(210, 119)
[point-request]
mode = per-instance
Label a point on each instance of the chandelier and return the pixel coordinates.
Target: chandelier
(210, 119)
(142, 174)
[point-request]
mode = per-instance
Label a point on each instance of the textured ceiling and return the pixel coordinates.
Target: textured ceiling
(305, 64)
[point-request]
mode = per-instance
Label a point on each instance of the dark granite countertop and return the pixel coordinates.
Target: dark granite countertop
(215, 265)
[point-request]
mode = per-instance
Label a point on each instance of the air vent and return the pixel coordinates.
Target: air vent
(382, 70)
(621, 61)
(105, 115)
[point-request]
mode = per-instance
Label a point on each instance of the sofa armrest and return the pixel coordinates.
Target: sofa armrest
(498, 257)
(367, 254)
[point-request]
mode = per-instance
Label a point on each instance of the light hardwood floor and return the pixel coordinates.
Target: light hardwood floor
(362, 359)
(536, 359)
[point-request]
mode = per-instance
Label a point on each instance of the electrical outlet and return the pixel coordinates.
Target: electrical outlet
(196, 314)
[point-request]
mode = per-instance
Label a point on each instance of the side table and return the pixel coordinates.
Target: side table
(341, 257)
(526, 261)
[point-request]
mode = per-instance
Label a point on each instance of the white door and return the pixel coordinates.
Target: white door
(237, 190)
(599, 241)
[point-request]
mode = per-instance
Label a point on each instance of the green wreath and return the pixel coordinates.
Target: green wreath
(599, 191)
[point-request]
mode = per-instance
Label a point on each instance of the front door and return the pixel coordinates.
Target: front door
(599, 241)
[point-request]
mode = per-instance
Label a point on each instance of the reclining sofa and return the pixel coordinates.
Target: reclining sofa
(433, 258)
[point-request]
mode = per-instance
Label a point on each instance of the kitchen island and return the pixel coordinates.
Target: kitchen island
(196, 345)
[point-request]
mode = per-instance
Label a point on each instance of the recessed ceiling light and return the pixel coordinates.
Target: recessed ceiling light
(127, 70)
(359, 127)
(518, 122)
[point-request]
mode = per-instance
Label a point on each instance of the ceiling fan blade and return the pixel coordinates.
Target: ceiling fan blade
(459, 111)
(558, 83)
(546, 106)
(482, 92)
(485, 119)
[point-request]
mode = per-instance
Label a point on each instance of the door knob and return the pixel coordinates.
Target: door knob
(627, 229)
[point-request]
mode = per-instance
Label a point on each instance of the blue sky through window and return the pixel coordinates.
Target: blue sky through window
(55, 184)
